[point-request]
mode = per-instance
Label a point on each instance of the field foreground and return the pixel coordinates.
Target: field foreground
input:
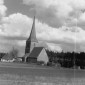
(21, 74)
(9, 79)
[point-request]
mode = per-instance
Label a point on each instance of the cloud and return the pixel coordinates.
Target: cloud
(60, 6)
(78, 4)
(20, 25)
(82, 46)
(6, 45)
(3, 8)
(16, 25)
(63, 12)
(54, 47)
(56, 21)
(1, 2)
(82, 17)
(15, 29)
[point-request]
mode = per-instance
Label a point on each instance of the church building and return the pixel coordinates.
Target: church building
(34, 52)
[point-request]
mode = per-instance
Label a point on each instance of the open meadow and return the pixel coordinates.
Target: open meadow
(25, 74)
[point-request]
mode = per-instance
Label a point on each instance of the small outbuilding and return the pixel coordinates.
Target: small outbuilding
(1, 55)
(7, 58)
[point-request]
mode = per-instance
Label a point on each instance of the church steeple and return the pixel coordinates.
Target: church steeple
(32, 40)
(32, 36)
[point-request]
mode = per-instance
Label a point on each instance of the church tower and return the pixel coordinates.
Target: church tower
(32, 40)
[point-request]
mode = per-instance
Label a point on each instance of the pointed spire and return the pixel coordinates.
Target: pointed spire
(32, 36)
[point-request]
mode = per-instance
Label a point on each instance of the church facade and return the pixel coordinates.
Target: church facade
(33, 51)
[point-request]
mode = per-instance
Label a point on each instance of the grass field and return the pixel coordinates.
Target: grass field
(9, 79)
(23, 74)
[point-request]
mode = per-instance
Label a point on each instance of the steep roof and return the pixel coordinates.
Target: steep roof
(32, 36)
(2, 55)
(7, 57)
(35, 52)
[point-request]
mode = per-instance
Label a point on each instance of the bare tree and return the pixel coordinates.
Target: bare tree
(13, 53)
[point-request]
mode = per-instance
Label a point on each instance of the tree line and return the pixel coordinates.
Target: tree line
(67, 59)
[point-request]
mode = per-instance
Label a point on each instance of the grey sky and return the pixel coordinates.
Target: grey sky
(59, 22)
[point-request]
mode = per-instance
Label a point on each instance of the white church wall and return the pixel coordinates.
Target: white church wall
(43, 56)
